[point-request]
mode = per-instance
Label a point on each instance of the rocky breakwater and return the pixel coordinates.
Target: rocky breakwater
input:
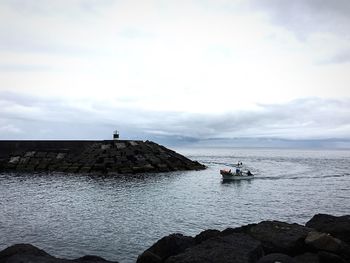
(111, 157)
(324, 239)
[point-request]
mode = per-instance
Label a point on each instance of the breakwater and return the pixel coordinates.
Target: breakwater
(107, 156)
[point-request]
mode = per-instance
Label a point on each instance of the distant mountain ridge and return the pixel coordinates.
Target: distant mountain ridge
(330, 143)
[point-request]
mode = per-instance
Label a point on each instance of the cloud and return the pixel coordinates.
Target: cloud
(322, 26)
(8, 128)
(299, 119)
(307, 16)
(39, 118)
(135, 33)
(49, 8)
(23, 68)
(52, 27)
(338, 58)
(201, 67)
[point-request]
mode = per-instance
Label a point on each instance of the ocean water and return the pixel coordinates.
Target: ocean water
(71, 215)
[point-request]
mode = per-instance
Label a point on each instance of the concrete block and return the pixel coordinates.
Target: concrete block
(120, 145)
(30, 168)
(133, 143)
(125, 170)
(42, 167)
(51, 155)
(14, 159)
(60, 156)
(85, 169)
(105, 146)
(40, 154)
(29, 154)
(72, 169)
(24, 160)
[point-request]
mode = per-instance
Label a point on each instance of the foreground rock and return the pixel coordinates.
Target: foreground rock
(167, 246)
(280, 237)
(266, 242)
(26, 253)
(337, 226)
(238, 248)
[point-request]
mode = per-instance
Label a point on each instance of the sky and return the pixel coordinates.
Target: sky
(175, 70)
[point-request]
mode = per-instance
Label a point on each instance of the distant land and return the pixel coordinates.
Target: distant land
(170, 140)
(331, 143)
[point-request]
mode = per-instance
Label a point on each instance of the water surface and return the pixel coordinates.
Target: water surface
(117, 218)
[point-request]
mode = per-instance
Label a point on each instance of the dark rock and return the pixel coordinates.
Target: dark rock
(229, 231)
(327, 257)
(22, 249)
(206, 234)
(166, 247)
(280, 237)
(277, 257)
(92, 259)
(307, 258)
(27, 253)
(337, 226)
(238, 248)
(242, 229)
(149, 257)
(323, 241)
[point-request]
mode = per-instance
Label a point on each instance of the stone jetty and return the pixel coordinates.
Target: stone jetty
(108, 156)
(324, 239)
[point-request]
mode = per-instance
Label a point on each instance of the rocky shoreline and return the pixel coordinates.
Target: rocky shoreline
(107, 157)
(323, 239)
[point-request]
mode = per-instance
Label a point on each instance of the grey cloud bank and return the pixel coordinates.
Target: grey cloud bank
(184, 71)
(323, 21)
(26, 117)
(307, 16)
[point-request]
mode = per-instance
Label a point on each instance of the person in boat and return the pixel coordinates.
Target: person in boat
(238, 171)
(249, 173)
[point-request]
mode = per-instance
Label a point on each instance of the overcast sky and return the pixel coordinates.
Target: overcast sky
(74, 69)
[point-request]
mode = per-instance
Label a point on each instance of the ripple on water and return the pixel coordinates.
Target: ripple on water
(117, 218)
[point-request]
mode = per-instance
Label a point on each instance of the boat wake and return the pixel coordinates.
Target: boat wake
(296, 177)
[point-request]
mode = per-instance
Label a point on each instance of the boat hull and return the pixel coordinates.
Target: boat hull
(237, 177)
(228, 175)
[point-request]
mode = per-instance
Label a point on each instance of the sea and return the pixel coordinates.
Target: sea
(70, 215)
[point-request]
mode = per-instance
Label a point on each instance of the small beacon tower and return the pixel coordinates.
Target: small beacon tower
(116, 135)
